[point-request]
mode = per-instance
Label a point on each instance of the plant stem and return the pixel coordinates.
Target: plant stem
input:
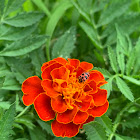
(21, 113)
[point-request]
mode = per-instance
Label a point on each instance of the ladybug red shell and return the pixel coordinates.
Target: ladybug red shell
(83, 77)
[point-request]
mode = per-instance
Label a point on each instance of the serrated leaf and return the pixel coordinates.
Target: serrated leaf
(106, 122)
(121, 46)
(5, 104)
(23, 19)
(95, 131)
(6, 123)
(37, 59)
(14, 33)
(91, 33)
(24, 46)
(17, 68)
(132, 80)
(45, 126)
(65, 44)
(116, 9)
(124, 89)
(120, 137)
(105, 72)
(12, 5)
(112, 58)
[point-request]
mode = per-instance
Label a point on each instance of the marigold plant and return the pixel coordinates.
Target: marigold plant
(63, 97)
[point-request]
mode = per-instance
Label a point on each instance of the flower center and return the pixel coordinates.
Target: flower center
(73, 91)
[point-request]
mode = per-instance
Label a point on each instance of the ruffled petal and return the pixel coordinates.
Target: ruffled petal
(43, 107)
(31, 87)
(79, 71)
(46, 72)
(74, 62)
(80, 117)
(61, 60)
(46, 64)
(98, 111)
(93, 85)
(67, 116)
(60, 73)
(100, 97)
(64, 130)
(70, 68)
(48, 87)
(58, 104)
(86, 66)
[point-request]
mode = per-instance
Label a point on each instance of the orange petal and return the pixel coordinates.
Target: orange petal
(69, 67)
(102, 83)
(83, 106)
(46, 72)
(43, 107)
(93, 85)
(46, 64)
(48, 87)
(90, 118)
(74, 62)
(61, 60)
(79, 71)
(87, 88)
(59, 104)
(80, 117)
(64, 130)
(60, 73)
(31, 87)
(86, 66)
(67, 116)
(100, 97)
(98, 111)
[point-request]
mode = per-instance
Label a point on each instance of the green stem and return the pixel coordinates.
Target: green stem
(21, 113)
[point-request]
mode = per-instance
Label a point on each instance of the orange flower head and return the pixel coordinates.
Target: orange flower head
(69, 94)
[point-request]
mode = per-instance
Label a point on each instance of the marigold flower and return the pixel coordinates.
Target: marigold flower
(64, 98)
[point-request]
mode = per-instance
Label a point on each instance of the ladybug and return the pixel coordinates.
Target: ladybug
(83, 77)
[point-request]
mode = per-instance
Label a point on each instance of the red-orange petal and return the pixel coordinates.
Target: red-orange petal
(61, 60)
(58, 104)
(80, 117)
(86, 66)
(83, 106)
(70, 68)
(98, 111)
(46, 72)
(46, 64)
(48, 87)
(43, 107)
(74, 62)
(31, 88)
(100, 97)
(60, 73)
(67, 116)
(93, 85)
(64, 130)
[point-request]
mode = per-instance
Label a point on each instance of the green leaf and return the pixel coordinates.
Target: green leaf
(6, 123)
(95, 131)
(132, 80)
(91, 33)
(2, 5)
(45, 126)
(13, 33)
(120, 137)
(56, 15)
(12, 5)
(124, 89)
(116, 8)
(24, 46)
(113, 61)
(17, 68)
(24, 19)
(121, 44)
(105, 72)
(37, 59)
(84, 14)
(65, 44)
(5, 104)
(106, 122)
(1, 81)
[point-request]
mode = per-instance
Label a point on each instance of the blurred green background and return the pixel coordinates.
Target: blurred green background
(102, 32)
